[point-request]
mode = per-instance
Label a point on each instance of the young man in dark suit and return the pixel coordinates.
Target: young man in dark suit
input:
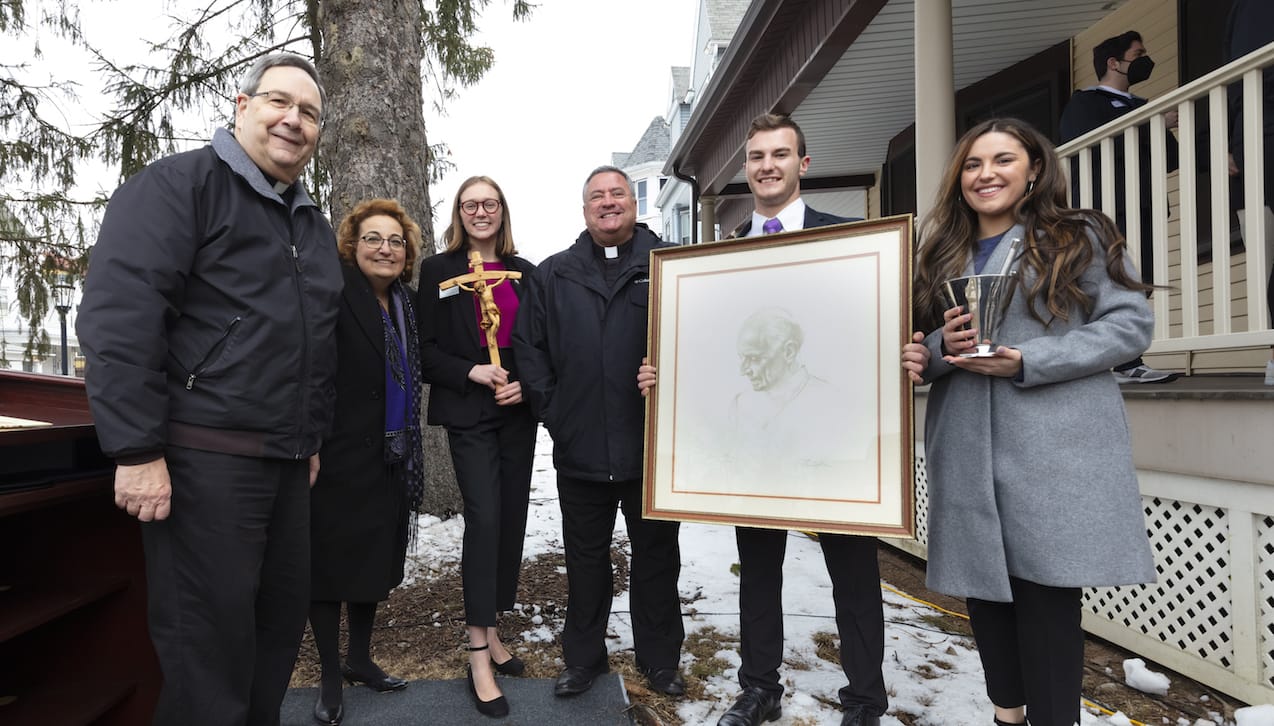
(775, 162)
(774, 165)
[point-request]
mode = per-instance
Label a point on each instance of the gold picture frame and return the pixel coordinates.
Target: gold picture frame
(780, 400)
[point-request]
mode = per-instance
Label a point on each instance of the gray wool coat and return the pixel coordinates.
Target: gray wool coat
(1035, 478)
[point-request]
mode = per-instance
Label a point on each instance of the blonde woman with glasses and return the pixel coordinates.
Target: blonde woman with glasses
(490, 428)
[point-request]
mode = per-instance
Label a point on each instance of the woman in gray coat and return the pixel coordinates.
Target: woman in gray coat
(1033, 492)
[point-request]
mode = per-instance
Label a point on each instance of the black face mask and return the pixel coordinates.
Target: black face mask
(1139, 70)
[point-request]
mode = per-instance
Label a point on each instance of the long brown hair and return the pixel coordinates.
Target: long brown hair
(456, 236)
(1056, 248)
(347, 233)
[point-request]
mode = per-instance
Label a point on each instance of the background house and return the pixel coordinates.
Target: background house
(882, 88)
(644, 164)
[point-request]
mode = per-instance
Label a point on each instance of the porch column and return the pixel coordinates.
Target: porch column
(707, 219)
(935, 98)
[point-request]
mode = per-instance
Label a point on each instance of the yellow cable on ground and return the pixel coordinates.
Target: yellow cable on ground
(884, 586)
(926, 603)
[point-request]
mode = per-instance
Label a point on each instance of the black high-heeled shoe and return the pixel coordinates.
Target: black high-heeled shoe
(496, 708)
(511, 667)
(379, 681)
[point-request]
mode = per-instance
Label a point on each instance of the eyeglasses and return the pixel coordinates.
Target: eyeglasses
(282, 102)
(373, 241)
(490, 206)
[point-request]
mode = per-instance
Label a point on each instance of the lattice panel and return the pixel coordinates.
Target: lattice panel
(1265, 594)
(1190, 606)
(922, 498)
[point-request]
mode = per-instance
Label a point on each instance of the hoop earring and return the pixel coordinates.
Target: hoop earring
(1030, 184)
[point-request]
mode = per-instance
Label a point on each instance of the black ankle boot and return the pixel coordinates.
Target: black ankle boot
(330, 708)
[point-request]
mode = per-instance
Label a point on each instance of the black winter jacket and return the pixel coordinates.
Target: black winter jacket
(579, 345)
(209, 312)
(1092, 108)
(449, 342)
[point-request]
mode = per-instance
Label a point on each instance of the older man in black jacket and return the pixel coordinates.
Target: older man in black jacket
(580, 337)
(207, 321)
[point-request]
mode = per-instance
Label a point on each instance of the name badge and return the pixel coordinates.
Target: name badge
(449, 292)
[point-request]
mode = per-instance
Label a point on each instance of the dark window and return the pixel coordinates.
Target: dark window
(1201, 50)
(1034, 90)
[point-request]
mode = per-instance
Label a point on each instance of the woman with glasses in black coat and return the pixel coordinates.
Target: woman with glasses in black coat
(490, 429)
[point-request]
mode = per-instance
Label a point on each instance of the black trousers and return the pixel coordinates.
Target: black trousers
(860, 620)
(1147, 265)
(588, 527)
(1032, 651)
(493, 469)
(228, 580)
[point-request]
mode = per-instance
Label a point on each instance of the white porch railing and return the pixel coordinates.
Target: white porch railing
(1210, 615)
(1222, 304)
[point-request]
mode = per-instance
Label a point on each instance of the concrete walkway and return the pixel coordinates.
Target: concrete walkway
(448, 703)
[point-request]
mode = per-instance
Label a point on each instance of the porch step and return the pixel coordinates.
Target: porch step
(447, 703)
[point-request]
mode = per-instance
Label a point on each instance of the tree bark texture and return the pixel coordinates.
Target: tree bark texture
(374, 145)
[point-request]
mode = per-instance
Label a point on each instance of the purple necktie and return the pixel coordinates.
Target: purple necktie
(772, 225)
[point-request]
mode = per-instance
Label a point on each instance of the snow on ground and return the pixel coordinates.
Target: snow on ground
(930, 674)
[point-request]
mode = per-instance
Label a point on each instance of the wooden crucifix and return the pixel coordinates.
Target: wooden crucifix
(479, 282)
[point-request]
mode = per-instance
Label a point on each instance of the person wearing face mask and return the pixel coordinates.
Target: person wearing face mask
(1120, 63)
(490, 429)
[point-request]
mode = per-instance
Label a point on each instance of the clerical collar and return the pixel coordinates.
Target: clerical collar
(614, 251)
(278, 186)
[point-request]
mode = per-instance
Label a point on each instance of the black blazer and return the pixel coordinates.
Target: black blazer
(813, 218)
(356, 507)
(449, 342)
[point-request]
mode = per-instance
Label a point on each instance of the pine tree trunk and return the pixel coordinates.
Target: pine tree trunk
(374, 145)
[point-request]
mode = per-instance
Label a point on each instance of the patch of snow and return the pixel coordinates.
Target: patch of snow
(1138, 676)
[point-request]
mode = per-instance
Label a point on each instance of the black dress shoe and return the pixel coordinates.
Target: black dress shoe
(667, 681)
(378, 681)
(496, 708)
(511, 667)
(328, 715)
(577, 679)
(752, 707)
(858, 716)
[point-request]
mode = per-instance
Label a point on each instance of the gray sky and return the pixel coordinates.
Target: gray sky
(580, 80)
(577, 81)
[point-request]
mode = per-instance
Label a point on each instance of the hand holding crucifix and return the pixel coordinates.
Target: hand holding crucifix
(480, 281)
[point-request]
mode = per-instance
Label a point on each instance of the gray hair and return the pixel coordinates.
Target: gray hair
(608, 169)
(252, 79)
(775, 325)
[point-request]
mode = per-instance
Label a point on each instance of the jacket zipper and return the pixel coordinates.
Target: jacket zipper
(305, 342)
(200, 367)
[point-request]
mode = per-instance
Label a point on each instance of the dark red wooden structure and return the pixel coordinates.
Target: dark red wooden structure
(74, 648)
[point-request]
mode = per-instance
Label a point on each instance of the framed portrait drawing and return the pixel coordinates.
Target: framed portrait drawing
(780, 399)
